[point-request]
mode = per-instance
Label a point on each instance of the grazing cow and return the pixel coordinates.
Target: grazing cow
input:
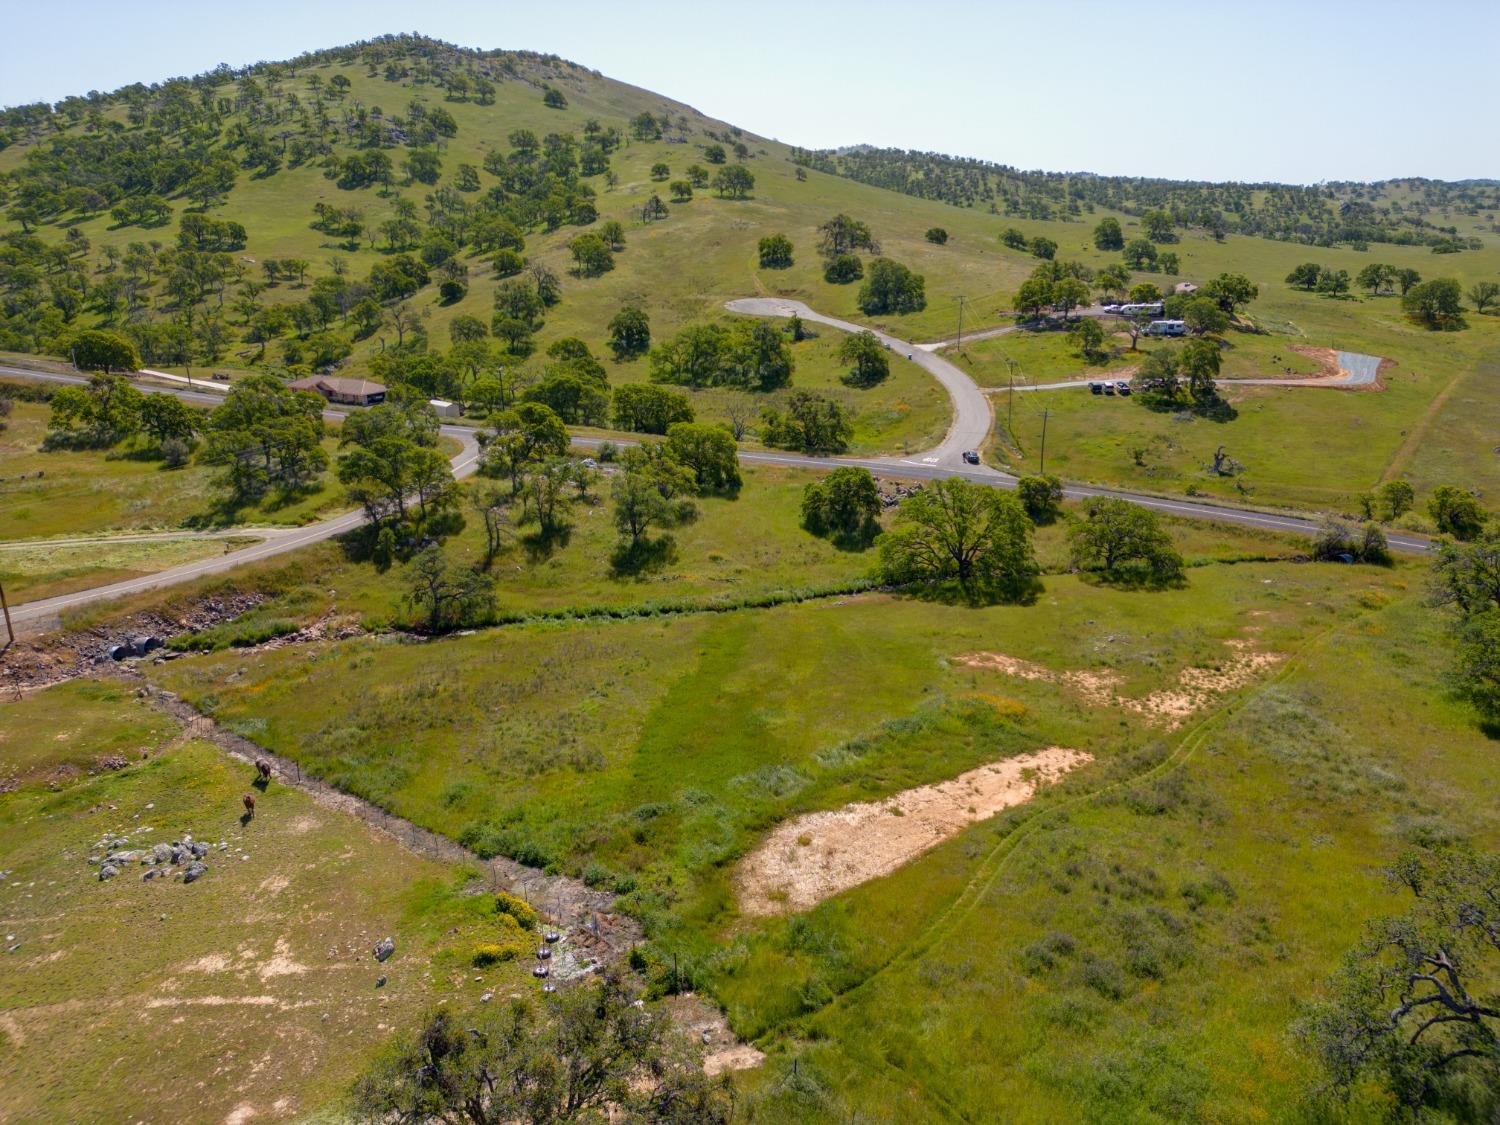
(263, 767)
(249, 806)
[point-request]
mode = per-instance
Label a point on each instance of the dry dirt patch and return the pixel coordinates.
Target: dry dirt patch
(701, 1021)
(1195, 689)
(813, 857)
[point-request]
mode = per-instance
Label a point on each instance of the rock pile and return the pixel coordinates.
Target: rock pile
(181, 859)
(892, 492)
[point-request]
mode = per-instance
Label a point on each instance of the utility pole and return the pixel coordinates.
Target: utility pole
(1044, 441)
(1010, 399)
(10, 632)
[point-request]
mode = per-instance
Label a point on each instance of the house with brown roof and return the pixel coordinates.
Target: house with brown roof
(346, 392)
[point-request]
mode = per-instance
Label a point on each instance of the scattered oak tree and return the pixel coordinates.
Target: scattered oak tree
(844, 506)
(646, 409)
(866, 357)
(630, 333)
(775, 252)
(707, 451)
(955, 531)
(1457, 512)
(584, 1054)
(1124, 542)
(809, 423)
(267, 437)
(1413, 1007)
(448, 595)
(95, 350)
(1042, 497)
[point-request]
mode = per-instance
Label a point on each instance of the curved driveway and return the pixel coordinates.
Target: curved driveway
(971, 409)
(1355, 370)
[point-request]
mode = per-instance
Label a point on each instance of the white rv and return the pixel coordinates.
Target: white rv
(1166, 328)
(1148, 309)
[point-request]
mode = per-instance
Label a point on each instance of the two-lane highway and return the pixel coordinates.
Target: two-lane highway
(969, 429)
(29, 614)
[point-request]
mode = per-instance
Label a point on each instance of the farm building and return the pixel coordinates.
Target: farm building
(349, 392)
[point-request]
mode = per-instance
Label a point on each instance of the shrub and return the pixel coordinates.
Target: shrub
(508, 263)
(175, 453)
(1337, 542)
(843, 268)
(488, 953)
(517, 908)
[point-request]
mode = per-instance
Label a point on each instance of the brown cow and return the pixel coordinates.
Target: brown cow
(249, 806)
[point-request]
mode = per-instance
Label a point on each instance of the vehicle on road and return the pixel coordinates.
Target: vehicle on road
(1152, 308)
(1111, 308)
(971, 456)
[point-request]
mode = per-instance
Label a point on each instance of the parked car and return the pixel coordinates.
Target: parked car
(1109, 388)
(1122, 387)
(1096, 388)
(971, 456)
(1111, 308)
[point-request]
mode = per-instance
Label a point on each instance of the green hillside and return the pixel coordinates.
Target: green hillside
(266, 147)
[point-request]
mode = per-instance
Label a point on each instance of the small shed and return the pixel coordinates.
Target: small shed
(347, 392)
(1184, 287)
(445, 409)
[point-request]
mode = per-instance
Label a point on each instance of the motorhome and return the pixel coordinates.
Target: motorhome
(1166, 328)
(1145, 309)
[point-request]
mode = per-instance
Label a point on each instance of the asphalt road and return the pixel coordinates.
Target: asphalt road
(971, 409)
(32, 614)
(970, 426)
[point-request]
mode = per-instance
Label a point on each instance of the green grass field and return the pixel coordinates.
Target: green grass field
(50, 493)
(747, 549)
(653, 753)
(250, 991)
(34, 573)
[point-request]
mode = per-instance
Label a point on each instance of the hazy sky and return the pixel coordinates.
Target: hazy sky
(1256, 90)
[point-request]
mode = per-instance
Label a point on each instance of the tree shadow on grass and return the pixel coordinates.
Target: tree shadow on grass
(1214, 409)
(1135, 578)
(642, 557)
(542, 545)
(975, 594)
(852, 541)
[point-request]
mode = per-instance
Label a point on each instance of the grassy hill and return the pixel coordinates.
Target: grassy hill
(296, 123)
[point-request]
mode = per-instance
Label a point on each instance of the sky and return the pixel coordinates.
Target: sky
(1297, 92)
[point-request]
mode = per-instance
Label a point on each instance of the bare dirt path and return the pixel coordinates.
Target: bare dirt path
(813, 857)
